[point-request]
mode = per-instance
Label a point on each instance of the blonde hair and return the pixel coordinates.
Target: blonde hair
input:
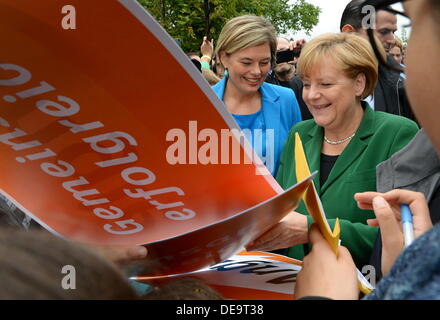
(352, 53)
(247, 31)
(399, 44)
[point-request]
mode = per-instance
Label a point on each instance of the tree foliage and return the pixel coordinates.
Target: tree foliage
(187, 19)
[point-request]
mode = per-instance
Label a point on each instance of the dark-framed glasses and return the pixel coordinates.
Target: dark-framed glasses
(403, 25)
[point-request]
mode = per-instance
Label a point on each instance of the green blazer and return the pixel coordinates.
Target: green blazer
(378, 137)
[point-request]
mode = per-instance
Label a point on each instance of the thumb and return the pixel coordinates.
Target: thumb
(315, 235)
(388, 223)
(345, 255)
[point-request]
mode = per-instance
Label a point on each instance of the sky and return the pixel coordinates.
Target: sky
(329, 18)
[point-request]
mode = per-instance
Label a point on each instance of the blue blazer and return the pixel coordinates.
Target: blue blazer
(280, 111)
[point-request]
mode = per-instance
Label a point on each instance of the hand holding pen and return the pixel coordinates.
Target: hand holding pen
(387, 208)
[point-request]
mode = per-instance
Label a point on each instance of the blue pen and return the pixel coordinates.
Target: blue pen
(407, 224)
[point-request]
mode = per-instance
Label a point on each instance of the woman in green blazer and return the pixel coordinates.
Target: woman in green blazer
(344, 143)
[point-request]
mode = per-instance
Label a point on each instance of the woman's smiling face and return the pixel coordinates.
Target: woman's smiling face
(330, 95)
(248, 67)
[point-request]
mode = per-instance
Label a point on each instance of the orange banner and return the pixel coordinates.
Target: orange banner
(109, 134)
(246, 276)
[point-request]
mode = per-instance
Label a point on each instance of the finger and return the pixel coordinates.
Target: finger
(315, 236)
(263, 240)
(271, 244)
(291, 45)
(390, 228)
(119, 254)
(365, 205)
(320, 246)
(366, 197)
(415, 200)
(373, 222)
(418, 205)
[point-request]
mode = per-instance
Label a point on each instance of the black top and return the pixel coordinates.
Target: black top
(327, 163)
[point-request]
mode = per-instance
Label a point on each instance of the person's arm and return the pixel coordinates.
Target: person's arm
(207, 50)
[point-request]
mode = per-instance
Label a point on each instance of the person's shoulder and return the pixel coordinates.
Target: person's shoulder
(393, 120)
(276, 89)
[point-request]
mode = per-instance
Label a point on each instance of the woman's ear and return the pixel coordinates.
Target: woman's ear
(360, 83)
(224, 59)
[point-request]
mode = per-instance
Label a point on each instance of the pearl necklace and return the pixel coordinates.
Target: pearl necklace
(339, 141)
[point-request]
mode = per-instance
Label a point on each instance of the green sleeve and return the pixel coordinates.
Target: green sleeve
(286, 176)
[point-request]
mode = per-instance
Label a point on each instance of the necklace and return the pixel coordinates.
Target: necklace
(339, 141)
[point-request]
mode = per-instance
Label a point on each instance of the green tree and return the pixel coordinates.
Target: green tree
(188, 21)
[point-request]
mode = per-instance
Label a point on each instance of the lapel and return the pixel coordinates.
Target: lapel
(312, 149)
(219, 88)
(272, 114)
(354, 149)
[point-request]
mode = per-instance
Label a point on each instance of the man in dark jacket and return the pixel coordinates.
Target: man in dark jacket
(390, 94)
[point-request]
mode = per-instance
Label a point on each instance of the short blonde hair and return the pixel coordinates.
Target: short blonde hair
(352, 53)
(247, 31)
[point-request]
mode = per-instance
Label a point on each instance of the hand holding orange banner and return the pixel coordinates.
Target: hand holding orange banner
(108, 135)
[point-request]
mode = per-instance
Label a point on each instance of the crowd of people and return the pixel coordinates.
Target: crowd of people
(357, 99)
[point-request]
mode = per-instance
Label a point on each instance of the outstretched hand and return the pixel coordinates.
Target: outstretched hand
(207, 47)
(291, 230)
(325, 275)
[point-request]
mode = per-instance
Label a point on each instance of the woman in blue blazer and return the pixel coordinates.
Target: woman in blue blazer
(247, 49)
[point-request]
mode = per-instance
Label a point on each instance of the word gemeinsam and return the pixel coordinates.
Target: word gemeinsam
(101, 142)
